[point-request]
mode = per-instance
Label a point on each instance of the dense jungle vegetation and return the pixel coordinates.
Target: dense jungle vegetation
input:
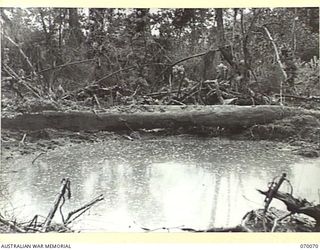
(106, 57)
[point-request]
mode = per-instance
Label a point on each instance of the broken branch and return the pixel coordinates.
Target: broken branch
(82, 209)
(12, 225)
(21, 52)
(295, 205)
(63, 188)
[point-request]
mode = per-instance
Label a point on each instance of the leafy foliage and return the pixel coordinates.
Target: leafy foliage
(308, 73)
(135, 49)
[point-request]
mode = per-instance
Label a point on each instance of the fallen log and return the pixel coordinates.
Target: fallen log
(303, 98)
(150, 117)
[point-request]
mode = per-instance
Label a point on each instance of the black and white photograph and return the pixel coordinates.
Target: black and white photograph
(160, 120)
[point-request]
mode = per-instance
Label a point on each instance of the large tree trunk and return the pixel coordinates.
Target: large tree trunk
(154, 117)
(76, 35)
(96, 39)
(220, 27)
(212, 57)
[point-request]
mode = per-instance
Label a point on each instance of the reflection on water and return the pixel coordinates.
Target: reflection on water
(167, 182)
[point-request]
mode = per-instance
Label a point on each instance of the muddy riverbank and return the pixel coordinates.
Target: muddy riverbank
(302, 131)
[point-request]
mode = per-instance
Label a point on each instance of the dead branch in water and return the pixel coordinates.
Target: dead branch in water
(65, 188)
(65, 185)
(82, 209)
(34, 160)
(12, 225)
(239, 228)
(270, 193)
(295, 205)
(35, 226)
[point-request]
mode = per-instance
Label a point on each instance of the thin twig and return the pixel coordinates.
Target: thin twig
(191, 92)
(37, 157)
(97, 115)
(60, 209)
(33, 229)
(34, 221)
(23, 139)
(77, 216)
(180, 61)
(113, 73)
(97, 101)
(65, 65)
(84, 207)
(155, 94)
(280, 219)
(189, 95)
(135, 92)
(218, 93)
(162, 228)
(177, 102)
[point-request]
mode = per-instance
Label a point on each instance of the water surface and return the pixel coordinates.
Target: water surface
(154, 183)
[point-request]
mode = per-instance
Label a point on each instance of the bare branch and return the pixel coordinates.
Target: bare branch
(275, 48)
(83, 208)
(21, 52)
(63, 188)
(12, 225)
(21, 81)
(66, 64)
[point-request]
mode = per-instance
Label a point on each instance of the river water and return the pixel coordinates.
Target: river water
(154, 183)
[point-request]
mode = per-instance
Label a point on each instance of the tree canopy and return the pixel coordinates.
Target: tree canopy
(51, 52)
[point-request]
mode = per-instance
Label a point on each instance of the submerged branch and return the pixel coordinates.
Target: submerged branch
(82, 209)
(63, 189)
(218, 230)
(12, 225)
(295, 205)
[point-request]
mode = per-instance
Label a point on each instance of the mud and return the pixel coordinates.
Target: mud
(14, 143)
(302, 132)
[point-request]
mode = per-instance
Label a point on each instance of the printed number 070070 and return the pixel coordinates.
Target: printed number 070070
(309, 246)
